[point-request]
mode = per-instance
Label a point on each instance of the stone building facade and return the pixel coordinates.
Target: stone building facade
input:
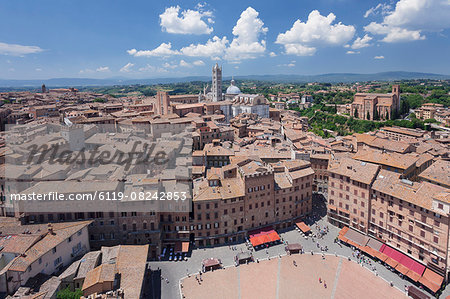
(370, 106)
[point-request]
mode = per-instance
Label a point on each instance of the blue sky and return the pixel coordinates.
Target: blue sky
(149, 39)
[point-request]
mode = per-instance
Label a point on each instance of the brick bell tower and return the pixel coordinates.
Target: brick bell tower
(396, 92)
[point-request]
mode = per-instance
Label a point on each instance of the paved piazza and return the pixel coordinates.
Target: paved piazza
(275, 276)
(278, 275)
(280, 278)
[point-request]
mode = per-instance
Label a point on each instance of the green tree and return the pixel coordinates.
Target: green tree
(368, 115)
(394, 114)
(375, 115)
(68, 294)
(404, 107)
(148, 92)
(356, 112)
(412, 101)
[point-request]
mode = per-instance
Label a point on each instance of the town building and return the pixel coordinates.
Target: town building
(428, 110)
(397, 133)
(370, 106)
(249, 194)
(349, 188)
(438, 173)
(250, 103)
(29, 250)
(412, 217)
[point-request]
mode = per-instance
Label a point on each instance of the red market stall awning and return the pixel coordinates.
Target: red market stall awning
(413, 275)
(391, 262)
(431, 280)
(343, 231)
(342, 238)
(273, 236)
(256, 241)
(403, 259)
(381, 256)
(369, 250)
(354, 244)
(402, 269)
(303, 227)
(264, 237)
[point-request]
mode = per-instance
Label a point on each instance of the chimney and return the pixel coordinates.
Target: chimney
(50, 229)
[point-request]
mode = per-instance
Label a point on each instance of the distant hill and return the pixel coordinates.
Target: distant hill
(347, 77)
(330, 78)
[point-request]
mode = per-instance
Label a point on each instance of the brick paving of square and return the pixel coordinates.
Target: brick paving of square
(353, 281)
(280, 278)
(302, 281)
(265, 285)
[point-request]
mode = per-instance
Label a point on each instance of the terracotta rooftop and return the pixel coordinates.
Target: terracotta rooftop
(217, 150)
(413, 133)
(61, 233)
(420, 194)
(388, 159)
(254, 167)
(17, 244)
(132, 264)
(438, 172)
(88, 262)
(356, 170)
(100, 274)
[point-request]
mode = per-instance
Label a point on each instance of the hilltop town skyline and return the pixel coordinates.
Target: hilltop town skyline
(156, 40)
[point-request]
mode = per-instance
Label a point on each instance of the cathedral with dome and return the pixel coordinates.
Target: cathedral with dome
(234, 102)
(232, 91)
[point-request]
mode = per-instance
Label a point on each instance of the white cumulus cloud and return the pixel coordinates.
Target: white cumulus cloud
(379, 57)
(246, 43)
(184, 63)
(127, 68)
(212, 48)
(165, 49)
(380, 8)
(152, 69)
(304, 37)
(168, 65)
(198, 63)
(352, 52)
(102, 69)
(360, 43)
(272, 54)
(393, 34)
(18, 50)
(187, 22)
(290, 64)
(299, 50)
(410, 18)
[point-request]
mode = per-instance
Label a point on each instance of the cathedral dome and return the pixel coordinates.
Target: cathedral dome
(233, 89)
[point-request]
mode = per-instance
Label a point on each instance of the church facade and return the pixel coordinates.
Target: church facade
(233, 102)
(376, 106)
